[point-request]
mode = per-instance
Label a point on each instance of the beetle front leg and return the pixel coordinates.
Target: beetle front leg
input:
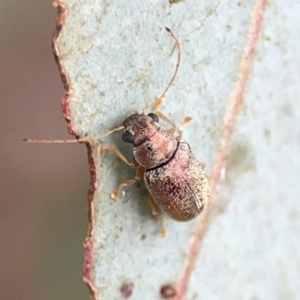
(139, 174)
(157, 104)
(157, 215)
(185, 120)
(173, 129)
(117, 152)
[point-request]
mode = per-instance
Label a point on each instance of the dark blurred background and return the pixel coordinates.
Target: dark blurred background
(43, 187)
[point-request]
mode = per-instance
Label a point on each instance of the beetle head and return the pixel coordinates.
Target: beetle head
(139, 128)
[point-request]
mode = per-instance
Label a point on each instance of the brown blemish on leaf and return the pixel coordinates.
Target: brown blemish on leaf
(126, 290)
(287, 109)
(168, 291)
(175, 1)
(240, 158)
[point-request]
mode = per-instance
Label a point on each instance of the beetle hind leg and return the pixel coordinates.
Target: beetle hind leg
(157, 215)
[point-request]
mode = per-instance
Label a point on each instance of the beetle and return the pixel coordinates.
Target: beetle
(172, 174)
(175, 179)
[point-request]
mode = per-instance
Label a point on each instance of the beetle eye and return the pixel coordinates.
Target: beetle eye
(154, 117)
(127, 137)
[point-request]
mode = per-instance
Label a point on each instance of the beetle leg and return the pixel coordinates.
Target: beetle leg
(173, 129)
(185, 120)
(163, 117)
(139, 174)
(157, 104)
(117, 152)
(155, 213)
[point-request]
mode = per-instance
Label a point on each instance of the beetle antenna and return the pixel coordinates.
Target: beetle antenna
(177, 64)
(158, 100)
(80, 140)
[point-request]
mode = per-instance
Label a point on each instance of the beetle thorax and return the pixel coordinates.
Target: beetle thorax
(153, 145)
(156, 150)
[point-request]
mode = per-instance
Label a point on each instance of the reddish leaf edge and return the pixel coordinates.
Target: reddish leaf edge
(62, 12)
(234, 103)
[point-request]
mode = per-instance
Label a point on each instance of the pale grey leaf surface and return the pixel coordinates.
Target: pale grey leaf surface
(117, 58)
